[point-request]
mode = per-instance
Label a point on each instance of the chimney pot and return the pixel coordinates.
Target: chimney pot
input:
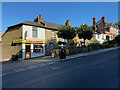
(40, 15)
(68, 23)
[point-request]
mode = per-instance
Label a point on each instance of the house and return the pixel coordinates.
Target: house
(104, 31)
(29, 39)
(1, 45)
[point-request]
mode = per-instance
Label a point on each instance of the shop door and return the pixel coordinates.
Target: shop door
(28, 49)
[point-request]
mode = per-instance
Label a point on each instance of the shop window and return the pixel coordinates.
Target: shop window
(38, 48)
(34, 33)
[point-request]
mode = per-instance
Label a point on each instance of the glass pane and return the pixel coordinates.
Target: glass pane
(53, 33)
(34, 33)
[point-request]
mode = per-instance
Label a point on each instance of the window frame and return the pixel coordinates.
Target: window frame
(52, 34)
(36, 33)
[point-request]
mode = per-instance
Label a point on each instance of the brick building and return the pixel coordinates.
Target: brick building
(28, 39)
(1, 45)
(31, 39)
(104, 31)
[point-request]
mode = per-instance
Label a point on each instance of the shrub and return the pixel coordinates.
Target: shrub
(94, 46)
(109, 42)
(117, 39)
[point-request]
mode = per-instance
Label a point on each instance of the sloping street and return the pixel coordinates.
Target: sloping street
(93, 71)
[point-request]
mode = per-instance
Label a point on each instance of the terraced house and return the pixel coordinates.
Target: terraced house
(27, 39)
(104, 31)
(31, 39)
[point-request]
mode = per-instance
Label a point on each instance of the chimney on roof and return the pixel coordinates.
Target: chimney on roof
(105, 24)
(103, 19)
(68, 23)
(38, 20)
(41, 19)
(94, 22)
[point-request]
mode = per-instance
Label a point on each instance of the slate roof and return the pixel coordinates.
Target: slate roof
(43, 24)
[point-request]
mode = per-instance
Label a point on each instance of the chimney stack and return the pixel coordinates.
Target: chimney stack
(103, 19)
(38, 20)
(94, 22)
(68, 23)
(41, 19)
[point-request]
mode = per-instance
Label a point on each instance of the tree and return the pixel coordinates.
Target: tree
(118, 24)
(66, 32)
(85, 32)
(117, 39)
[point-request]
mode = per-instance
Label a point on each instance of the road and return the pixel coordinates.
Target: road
(94, 71)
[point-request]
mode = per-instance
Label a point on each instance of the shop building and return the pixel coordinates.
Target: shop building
(28, 39)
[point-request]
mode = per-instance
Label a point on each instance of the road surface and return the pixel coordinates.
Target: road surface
(94, 71)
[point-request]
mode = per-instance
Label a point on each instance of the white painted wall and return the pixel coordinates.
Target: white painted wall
(23, 50)
(114, 30)
(101, 38)
(40, 35)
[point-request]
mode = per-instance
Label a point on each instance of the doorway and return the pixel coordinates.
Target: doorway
(107, 37)
(28, 51)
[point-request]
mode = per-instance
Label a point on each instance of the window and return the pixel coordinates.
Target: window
(98, 37)
(38, 48)
(53, 34)
(103, 37)
(34, 33)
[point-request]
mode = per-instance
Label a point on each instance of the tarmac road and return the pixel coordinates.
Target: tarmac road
(94, 71)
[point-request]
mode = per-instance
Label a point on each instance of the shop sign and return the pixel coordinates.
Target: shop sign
(28, 41)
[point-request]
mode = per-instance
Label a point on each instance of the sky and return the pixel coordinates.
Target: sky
(58, 12)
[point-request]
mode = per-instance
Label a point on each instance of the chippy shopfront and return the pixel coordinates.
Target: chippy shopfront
(31, 47)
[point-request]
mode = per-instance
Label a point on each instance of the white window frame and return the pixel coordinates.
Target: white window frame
(36, 33)
(53, 35)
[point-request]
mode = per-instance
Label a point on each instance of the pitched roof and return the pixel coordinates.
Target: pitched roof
(47, 24)
(43, 24)
(52, 25)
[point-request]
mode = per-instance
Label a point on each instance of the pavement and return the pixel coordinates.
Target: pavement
(22, 65)
(98, 70)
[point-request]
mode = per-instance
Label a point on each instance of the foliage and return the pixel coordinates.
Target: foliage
(118, 24)
(66, 32)
(117, 39)
(95, 41)
(85, 32)
(109, 42)
(94, 45)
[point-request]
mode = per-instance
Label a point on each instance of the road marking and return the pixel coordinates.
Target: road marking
(51, 63)
(55, 68)
(31, 67)
(19, 69)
